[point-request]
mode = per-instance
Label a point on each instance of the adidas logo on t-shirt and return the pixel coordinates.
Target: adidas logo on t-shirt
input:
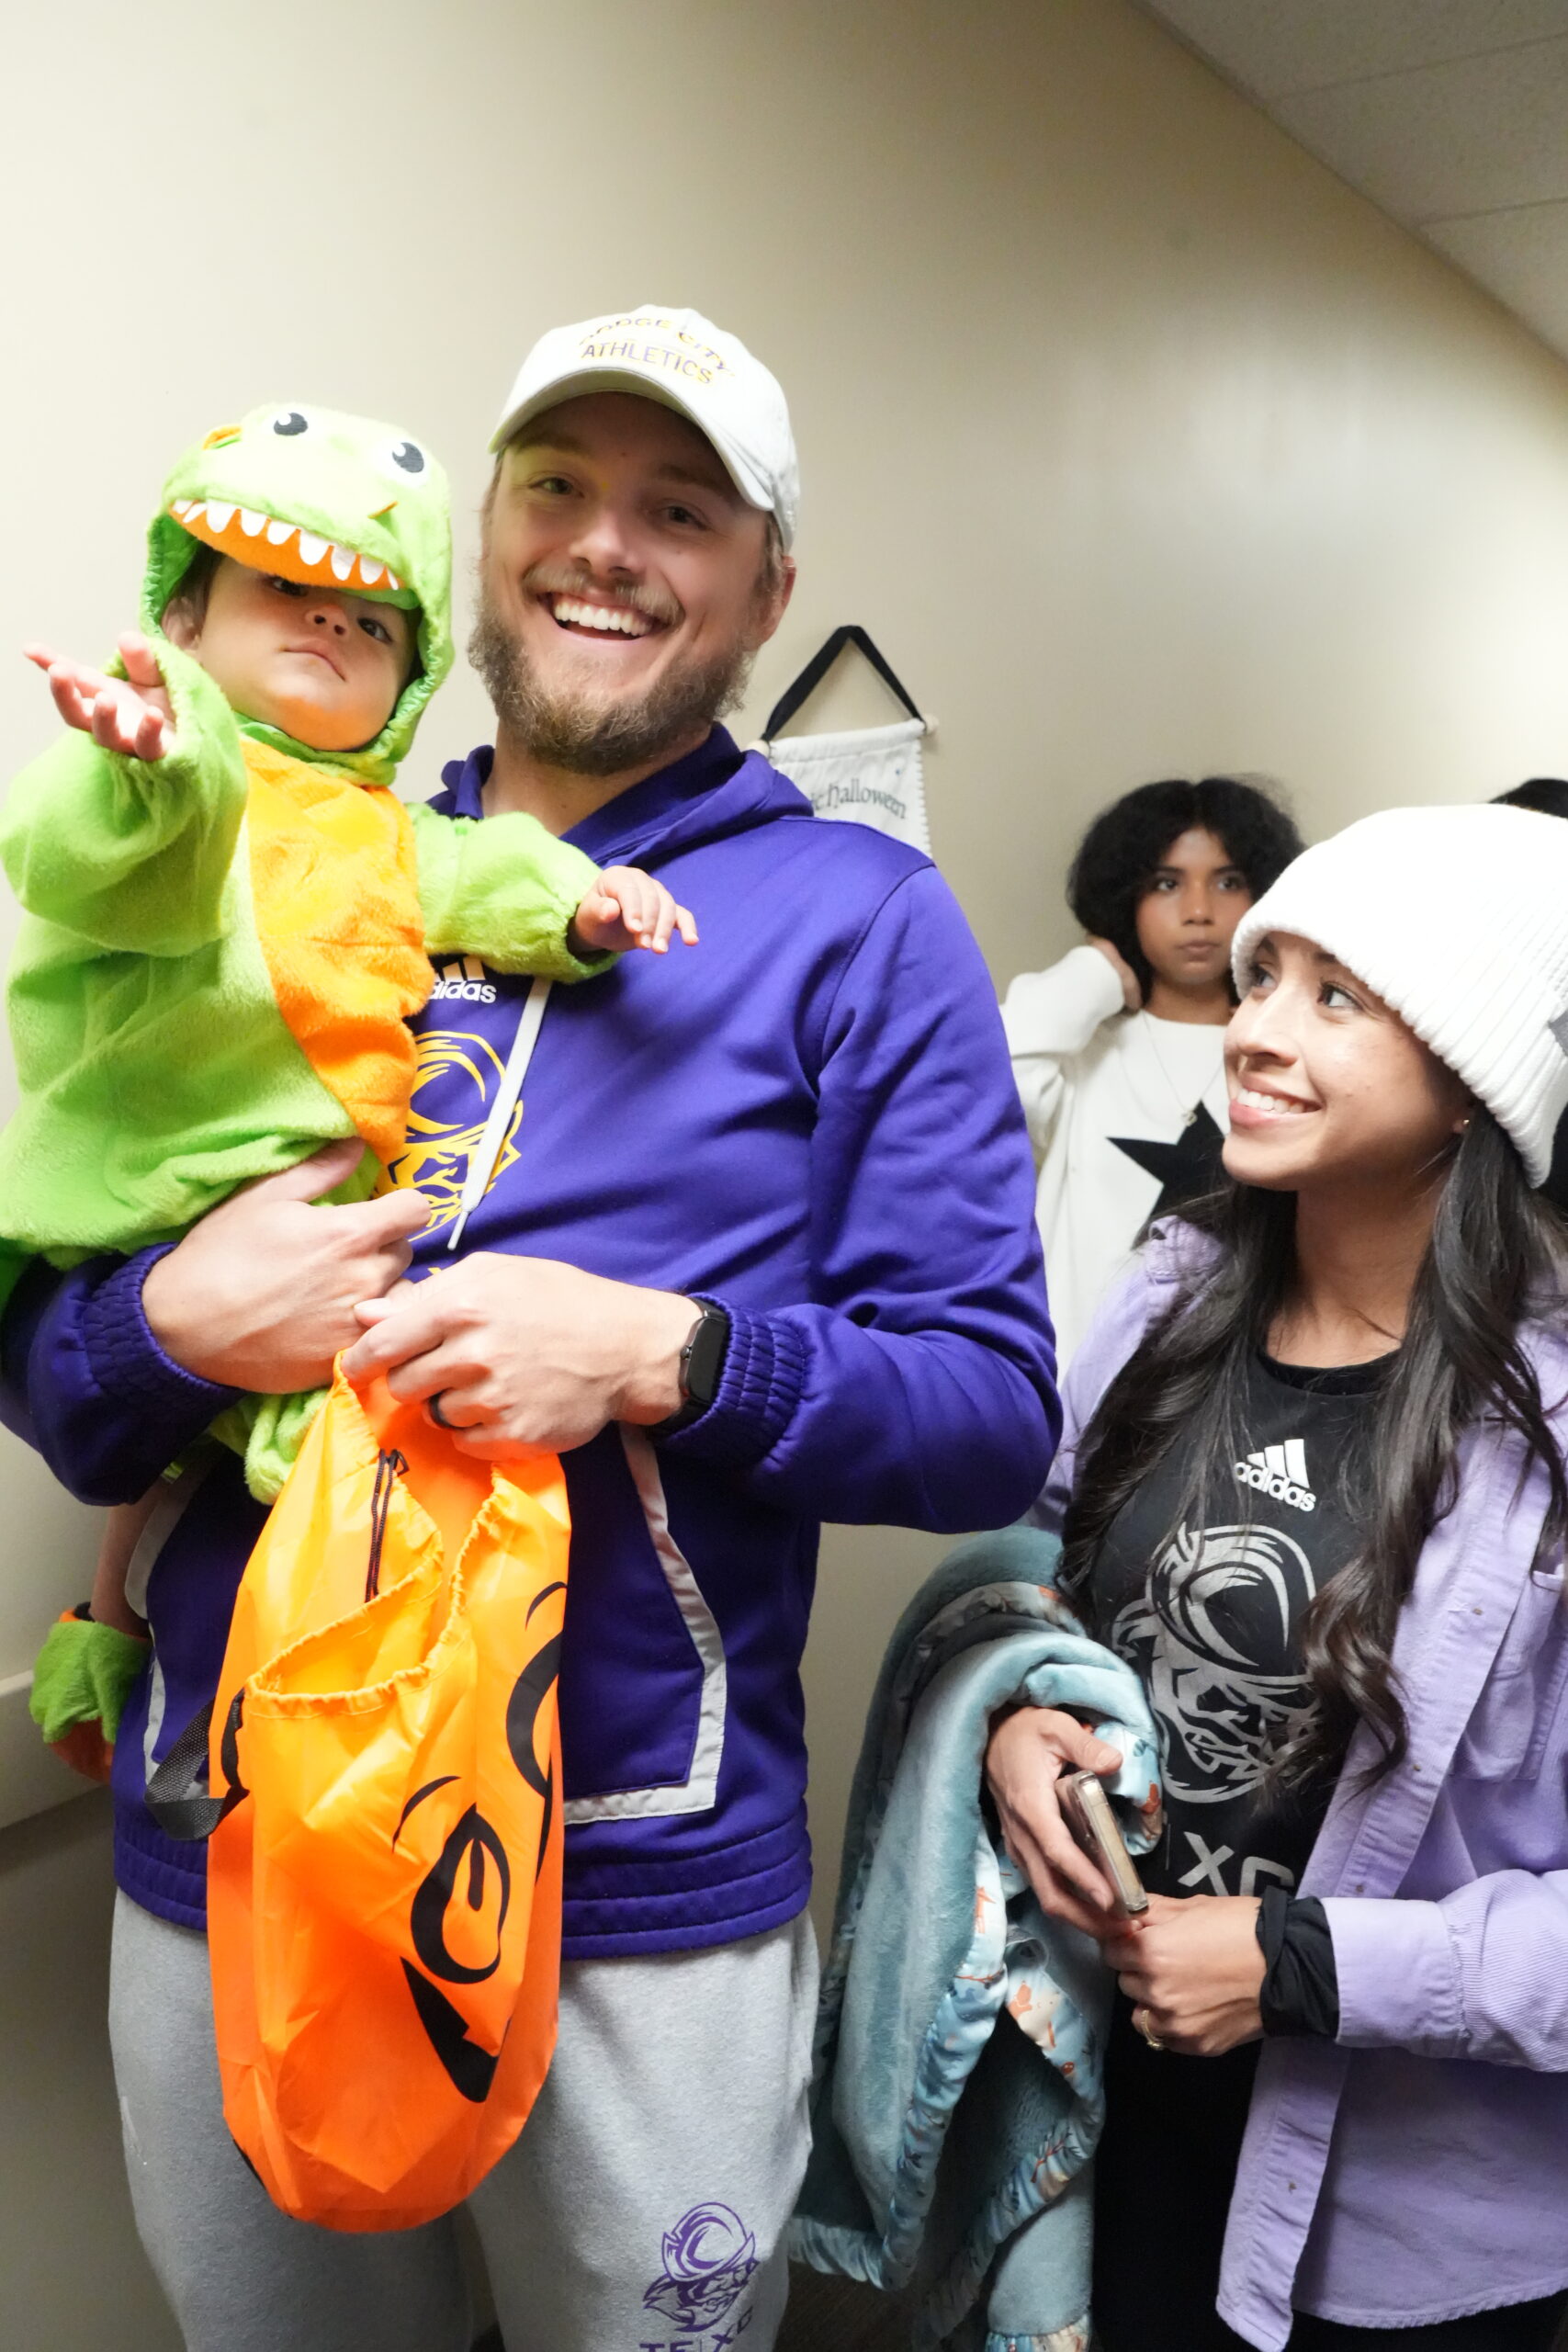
(1280, 1471)
(465, 980)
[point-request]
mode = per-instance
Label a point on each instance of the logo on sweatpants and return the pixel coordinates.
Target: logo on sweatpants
(709, 2256)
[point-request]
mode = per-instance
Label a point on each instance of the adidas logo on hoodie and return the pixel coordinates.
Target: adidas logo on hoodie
(465, 980)
(1280, 1471)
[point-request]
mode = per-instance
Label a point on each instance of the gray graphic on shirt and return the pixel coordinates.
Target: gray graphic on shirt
(1223, 1703)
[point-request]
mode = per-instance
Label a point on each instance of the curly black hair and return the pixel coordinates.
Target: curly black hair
(1547, 795)
(1120, 853)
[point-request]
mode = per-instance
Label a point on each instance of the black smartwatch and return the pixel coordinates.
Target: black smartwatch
(702, 1362)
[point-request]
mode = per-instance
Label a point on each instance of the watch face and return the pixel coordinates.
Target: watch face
(705, 1361)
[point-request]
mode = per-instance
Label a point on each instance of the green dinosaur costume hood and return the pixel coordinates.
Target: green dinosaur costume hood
(333, 501)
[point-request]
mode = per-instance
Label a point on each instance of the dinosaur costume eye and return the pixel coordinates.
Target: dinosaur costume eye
(289, 421)
(399, 460)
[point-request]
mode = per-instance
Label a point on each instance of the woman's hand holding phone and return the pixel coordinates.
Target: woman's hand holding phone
(1192, 1968)
(1029, 1753)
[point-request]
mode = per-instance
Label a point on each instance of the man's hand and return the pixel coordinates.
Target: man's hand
(1194, 1971)
(1132, 990)
(129, 714)
(626, 909)
(526, 1355)
(261, 1293)
(1027, 1755)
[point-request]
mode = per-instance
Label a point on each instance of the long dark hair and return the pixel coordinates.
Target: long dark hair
(1495, 1260)
(1120, 853)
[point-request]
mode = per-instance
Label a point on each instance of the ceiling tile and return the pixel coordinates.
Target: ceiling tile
(1522, 257)
(1273, 47)
(1448, 138)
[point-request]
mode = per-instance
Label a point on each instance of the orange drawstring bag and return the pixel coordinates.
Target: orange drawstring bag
(384, 1879)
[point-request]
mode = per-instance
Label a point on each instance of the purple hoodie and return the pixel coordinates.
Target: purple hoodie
(810, 1118)
(1416, 2169)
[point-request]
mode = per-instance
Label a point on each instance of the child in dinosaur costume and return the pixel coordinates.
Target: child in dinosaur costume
(229, 916)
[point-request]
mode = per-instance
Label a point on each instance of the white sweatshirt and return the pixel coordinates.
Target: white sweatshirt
(1088, 1071)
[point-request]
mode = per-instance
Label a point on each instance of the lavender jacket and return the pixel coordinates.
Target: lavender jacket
(1418, 2168)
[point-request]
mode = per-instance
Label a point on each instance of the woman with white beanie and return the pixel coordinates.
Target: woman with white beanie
(1312, 1487)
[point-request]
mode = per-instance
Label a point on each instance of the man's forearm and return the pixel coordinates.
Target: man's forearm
(88, 1385)
(818, 1413)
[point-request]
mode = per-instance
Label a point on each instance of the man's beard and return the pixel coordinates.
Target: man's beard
(586, 736)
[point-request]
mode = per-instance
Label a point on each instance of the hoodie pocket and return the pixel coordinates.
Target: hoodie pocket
(643, 1682)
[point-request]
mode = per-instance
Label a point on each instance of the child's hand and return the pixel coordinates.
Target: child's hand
(129, 714)
(626, 907)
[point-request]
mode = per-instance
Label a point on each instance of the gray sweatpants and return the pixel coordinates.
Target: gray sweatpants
(643, 2207)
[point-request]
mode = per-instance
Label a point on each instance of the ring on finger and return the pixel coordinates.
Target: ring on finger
(433, 1406)
(1141, 2019)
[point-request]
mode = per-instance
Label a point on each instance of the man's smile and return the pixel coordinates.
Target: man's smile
(586, 617)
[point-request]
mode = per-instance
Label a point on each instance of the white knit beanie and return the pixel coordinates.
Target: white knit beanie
(1457, 919)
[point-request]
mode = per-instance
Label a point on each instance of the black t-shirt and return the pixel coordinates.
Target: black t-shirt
(1209, 1618)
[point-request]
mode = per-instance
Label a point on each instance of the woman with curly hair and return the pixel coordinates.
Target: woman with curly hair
(1117, 1048)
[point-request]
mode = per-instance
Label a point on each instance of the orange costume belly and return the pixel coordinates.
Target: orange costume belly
(335, 893)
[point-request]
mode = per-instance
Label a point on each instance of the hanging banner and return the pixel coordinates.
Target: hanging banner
(872, 776)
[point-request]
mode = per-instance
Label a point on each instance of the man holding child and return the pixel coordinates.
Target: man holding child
(760, 1253)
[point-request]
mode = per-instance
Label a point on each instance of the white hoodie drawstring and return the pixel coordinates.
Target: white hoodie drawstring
(482, 1166)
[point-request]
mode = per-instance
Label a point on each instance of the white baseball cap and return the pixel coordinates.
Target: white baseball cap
(682, 360)
(1458, 918)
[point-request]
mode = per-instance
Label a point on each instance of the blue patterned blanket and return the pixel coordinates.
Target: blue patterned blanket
(956, 2097)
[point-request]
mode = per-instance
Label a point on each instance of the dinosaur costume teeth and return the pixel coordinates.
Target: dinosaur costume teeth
(278, 545)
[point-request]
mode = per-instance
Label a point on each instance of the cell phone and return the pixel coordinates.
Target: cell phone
(1091, 1818)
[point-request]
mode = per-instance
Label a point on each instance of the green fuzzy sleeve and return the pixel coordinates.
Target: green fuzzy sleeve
(134, 855)
(85, 1673)
(505, 890)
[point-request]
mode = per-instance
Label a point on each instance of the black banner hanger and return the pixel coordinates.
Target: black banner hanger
(795, 696)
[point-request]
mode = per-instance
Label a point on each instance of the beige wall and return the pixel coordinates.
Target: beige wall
(1140, 445)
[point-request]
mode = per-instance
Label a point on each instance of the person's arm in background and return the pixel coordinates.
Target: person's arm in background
(920, 1388)
(1050, 1016)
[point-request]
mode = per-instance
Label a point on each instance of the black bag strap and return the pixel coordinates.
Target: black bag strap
(805, 685)
(177, 1795)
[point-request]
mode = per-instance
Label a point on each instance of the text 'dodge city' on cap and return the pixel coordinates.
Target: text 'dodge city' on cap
(682, 359)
